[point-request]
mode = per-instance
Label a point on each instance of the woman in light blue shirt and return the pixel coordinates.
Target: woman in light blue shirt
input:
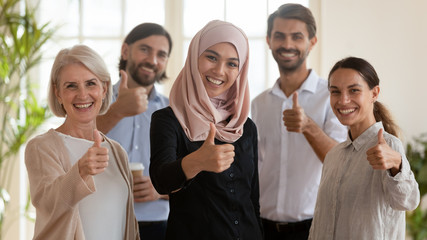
(367, 184)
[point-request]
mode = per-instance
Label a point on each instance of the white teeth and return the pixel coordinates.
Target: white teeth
(83, 105)
(347, 111)
(147, 69)
(217, 82)
(287, 54)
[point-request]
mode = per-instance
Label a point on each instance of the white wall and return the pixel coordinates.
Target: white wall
(391, 35)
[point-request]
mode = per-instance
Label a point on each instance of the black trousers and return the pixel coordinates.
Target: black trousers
(152, 230)
(286, 231)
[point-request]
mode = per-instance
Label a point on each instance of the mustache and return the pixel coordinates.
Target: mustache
(148, 65)
(280, 50)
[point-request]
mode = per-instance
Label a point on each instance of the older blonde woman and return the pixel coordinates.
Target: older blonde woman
(80, 182)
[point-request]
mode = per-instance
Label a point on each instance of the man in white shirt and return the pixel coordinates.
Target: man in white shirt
(296, 127)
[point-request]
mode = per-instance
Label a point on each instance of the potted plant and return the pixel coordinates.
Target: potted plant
(416, 221)
(22, 38)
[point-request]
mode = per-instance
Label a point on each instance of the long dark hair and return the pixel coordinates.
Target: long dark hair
(368, 73)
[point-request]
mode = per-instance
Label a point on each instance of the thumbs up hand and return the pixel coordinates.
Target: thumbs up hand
(95, 160)
(130, 101)
(209, 157)
(295, 119)
(382, 156)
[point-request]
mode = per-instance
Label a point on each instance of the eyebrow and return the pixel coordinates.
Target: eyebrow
(216, 54)
(91, 79)
(351, 86)
(151, 48)
(292, 33)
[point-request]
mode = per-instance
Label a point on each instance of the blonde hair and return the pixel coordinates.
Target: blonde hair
(91, 60)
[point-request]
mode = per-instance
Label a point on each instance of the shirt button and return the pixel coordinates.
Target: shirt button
(236, 222)
(137, 126)
(136, 147)
(231, 175)
(232, 190)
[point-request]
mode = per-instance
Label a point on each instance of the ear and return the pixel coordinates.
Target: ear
(375, 93)
(313, 42)
(58, 97)
(125, 51)
(267, 39)
(105, 87)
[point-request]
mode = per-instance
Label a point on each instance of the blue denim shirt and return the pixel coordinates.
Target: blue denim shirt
(133, 133)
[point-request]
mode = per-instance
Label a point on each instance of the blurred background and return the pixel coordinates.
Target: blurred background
(390, 34)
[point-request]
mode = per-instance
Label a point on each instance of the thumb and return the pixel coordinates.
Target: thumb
(97, 138)
(381, 136)
(295, 100)
(211, 136)
(124, 79)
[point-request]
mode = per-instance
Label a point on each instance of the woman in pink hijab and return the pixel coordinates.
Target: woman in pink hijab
(204, 147)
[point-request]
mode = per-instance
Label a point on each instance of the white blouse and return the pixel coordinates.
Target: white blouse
(103, 213)
(357, 202)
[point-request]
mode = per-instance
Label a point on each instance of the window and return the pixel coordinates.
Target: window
(103, 24)
(251, 16)
(100, 24)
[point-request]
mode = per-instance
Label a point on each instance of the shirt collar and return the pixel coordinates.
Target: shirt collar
(309, 84)
(154, 95)
(366, 136)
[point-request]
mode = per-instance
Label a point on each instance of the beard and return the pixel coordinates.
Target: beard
(141, 79)
(289, 66)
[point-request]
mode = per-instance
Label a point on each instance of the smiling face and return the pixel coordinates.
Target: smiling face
(146, 59)
(80, 92)
(289, 43)
(219, 68)
(351, 100)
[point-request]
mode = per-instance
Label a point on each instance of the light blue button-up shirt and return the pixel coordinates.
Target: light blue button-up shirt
(133, 133)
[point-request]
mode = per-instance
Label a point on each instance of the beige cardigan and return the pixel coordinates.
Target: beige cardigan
(56, 188)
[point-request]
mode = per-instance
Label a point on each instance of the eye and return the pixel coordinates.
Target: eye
(334, 92)
(162, 55)
(354, 90)
(211, 57)
(144, 49)
(278, 36)
(91, 83)
(233, 64)
(71, 86)
(297, 37)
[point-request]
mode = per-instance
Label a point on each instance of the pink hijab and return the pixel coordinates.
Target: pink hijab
(189, 99)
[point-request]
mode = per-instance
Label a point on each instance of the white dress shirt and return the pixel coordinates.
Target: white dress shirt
(289, 170)
(357, 202)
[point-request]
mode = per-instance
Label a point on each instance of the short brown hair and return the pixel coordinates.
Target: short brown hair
(293, 11)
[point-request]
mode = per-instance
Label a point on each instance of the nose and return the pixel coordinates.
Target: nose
(287, 43)
(82, 92)
(152, 59)
(219, 69)
(344, 98)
